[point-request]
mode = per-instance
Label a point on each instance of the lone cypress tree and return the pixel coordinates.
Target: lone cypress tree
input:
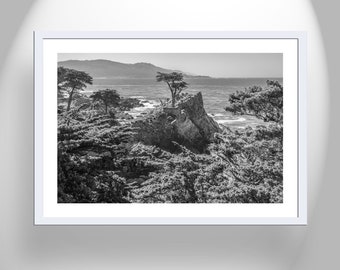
(175, 83)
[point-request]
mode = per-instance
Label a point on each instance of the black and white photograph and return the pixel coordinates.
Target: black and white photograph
(170, 128)
(164, 130)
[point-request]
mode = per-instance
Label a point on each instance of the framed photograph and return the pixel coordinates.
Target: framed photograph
(161, 128)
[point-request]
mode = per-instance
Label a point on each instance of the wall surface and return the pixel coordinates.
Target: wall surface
(320, 249)
(24, 246)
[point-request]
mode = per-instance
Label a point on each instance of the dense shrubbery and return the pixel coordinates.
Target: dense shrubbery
(175, 179)
(254, 161)
(239, 170)
(89, 146)
(100, 161)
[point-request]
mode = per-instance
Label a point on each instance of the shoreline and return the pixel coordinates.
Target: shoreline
(148, 105)
(223, 120)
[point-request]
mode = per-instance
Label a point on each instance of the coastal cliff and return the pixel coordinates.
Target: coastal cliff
(187, 124)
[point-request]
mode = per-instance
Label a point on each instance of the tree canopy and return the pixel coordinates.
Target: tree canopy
(175, 83)
(109, 97)
(71, 81)
(264, 103)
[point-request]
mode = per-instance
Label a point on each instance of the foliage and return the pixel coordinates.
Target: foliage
(254, 156)
(264, 103)
(108, 97)
(174, 181)
(71, 81)
(175, 83)
(80, 181)
(193, 178)
(102, 160)
(90, 145)
(254, 161)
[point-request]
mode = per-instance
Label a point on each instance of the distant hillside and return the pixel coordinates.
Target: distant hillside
(106, 69)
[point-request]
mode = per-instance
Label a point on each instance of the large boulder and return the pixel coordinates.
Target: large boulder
(187, 124)
(193, 122)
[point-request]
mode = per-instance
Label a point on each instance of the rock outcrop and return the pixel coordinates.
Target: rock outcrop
(187, 124)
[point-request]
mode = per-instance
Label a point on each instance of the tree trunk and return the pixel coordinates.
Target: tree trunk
(69, 100)
(173, 100)
(172, 95)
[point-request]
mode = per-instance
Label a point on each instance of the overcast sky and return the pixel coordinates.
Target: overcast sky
(210, 64)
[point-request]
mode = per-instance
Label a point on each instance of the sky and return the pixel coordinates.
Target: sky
(219, 65)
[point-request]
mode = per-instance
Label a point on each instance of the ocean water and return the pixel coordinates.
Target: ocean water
(215, 95)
